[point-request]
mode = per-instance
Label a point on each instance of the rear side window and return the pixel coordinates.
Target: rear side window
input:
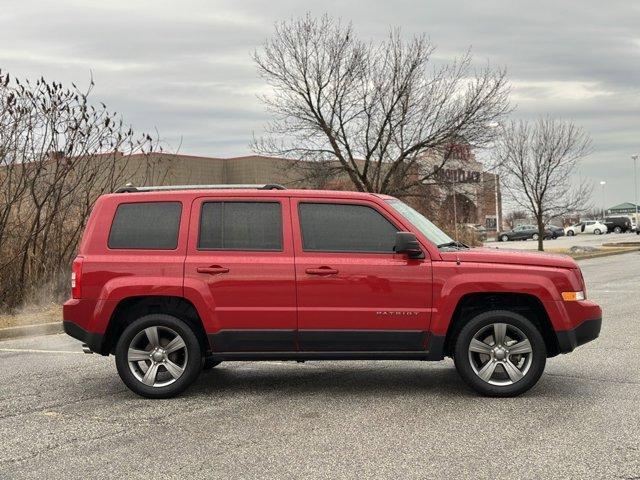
(146, 225)
(330, 227)
(240, 226)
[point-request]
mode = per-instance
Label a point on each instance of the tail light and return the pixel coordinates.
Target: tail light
(76, 278)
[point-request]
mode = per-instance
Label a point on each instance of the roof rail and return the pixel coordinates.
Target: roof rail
(129, 188)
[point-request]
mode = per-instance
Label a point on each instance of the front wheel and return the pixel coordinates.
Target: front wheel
(535, 237)
(504, 238)
(617, 230)
(500, 354)
(158, 356)
(570, 233)
(597, 231)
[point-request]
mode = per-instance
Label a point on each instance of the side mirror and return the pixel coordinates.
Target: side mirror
(406, 242)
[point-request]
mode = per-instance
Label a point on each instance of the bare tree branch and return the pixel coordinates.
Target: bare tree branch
(538, 164)
(375, 111)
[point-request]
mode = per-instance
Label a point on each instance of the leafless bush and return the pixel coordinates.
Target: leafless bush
(58, 153)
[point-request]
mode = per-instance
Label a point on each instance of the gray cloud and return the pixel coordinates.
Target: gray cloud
(184, 67)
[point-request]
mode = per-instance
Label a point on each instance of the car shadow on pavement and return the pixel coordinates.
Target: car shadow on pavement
(350, 379)
(343, 379)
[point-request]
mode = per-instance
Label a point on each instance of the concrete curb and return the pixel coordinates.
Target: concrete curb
(587, 256)
(31, 330)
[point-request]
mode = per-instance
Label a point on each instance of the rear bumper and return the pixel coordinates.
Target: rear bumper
(93, 340)
(588, 330)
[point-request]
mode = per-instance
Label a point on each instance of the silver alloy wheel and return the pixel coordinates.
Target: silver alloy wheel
(535, 236)
(157, 356)
(500, 354)
(505, 238)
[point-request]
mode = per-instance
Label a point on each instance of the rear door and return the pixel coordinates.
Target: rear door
(354, 292)
(240, 258)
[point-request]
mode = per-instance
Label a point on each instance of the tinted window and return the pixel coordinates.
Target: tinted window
(146, 225)
(330, 227)
(240, 226)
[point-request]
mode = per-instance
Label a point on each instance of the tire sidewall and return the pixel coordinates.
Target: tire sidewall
(192, 369)
(461, 353)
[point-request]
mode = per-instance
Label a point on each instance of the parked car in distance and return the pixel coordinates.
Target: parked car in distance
(555, 231)
(586, 226)
(523, 232)
(617, 224)
(172, 280)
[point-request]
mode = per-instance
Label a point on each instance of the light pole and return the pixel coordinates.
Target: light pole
(497, 204)
(635, 184)
(602, 184)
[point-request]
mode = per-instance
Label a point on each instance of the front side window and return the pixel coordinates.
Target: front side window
(426, 227)
(331, 227)
(146, 225)
(240, 226)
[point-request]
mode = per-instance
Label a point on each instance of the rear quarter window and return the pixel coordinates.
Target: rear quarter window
(146, 225)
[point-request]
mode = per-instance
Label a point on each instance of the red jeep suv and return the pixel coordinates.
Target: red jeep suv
(172, 280)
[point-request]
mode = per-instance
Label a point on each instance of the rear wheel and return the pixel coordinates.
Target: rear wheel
(570, 233)
(500, 354)
(597, 231)
(158, 356)
(504, 238)
(617, 230)
(535, 236)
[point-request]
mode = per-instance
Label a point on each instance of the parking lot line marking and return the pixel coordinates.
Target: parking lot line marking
(33, 350)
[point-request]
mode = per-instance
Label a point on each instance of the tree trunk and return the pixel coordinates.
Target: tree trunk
(540, 233)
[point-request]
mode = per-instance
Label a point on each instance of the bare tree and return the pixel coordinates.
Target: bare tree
(58, 153)
(382, 115)
(538, 162)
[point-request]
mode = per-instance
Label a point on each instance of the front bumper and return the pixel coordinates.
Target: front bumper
(94, 341)
(588, 330)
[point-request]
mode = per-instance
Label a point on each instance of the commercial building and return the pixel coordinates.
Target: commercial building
(460, 192)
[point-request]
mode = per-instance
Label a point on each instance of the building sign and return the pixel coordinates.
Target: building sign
(457, 175)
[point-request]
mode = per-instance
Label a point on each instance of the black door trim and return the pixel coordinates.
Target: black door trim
(362, 340)
(251, 340)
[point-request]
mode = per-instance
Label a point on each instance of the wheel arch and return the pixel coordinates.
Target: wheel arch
(131, 308)
(524, 304)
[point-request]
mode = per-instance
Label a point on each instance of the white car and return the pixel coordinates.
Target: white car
(587, 226)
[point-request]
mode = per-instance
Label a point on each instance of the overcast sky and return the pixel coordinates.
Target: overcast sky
(184, 67)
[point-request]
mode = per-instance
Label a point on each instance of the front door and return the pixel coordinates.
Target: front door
(354, 292)
(240, 260)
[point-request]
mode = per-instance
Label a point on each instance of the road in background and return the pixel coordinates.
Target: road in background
(582, 240)
(66, 415)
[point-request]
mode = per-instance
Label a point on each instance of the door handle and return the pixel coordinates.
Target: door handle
(212, 270)
(321, 271)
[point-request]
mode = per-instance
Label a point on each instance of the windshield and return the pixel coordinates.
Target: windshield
(419, 221)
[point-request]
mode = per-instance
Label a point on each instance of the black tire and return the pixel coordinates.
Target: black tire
(535, 237)
(210, 363)
(597, 231)
(617, 230)
(478, 323)
(570, 233)
(193, 358)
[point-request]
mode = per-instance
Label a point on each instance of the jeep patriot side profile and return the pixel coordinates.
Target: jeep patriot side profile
(172, 280)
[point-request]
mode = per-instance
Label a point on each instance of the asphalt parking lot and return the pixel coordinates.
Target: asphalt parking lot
(582, 240)
(66, 415)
